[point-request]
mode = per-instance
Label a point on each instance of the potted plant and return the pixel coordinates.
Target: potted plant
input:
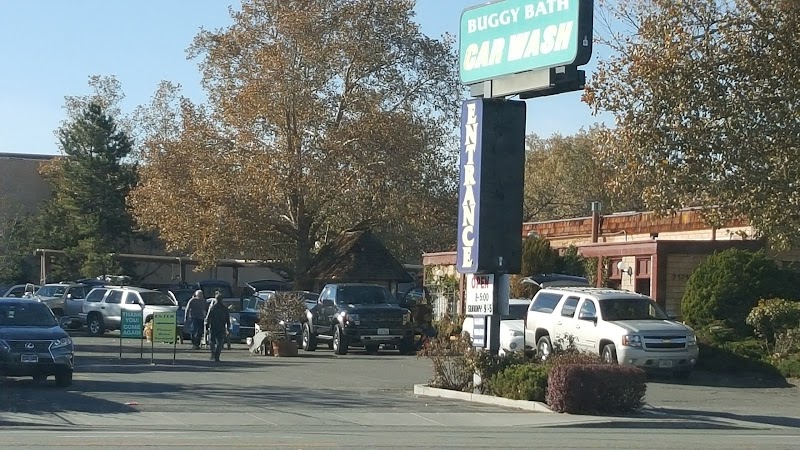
(276, 315)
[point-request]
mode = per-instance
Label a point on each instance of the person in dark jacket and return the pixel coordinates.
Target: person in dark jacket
(195, 315)
(218, 322)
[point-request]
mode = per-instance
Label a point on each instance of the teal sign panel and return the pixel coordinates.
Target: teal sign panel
(513, 36)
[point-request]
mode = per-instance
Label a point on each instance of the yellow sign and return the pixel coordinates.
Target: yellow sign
(164, 326)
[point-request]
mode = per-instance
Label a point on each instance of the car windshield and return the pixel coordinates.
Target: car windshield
(29, 314)
(516, 312)
(364, 295)
(630, 309)
(51, 291)
(156, 299)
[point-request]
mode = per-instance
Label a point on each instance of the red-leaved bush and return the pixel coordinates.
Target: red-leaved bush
(595, 388)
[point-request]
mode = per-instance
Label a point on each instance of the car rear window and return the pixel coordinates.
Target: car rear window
(545, 302)
(156, 299)
(28, 314)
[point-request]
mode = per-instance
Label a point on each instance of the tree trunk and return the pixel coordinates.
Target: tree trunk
(303, 256)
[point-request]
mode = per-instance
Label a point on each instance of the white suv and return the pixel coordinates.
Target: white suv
(102, 309)
(623, 327)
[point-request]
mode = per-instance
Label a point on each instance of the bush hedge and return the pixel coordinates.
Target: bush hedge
(521, 382)
(595, 388)
(727, 285)
(734, 357)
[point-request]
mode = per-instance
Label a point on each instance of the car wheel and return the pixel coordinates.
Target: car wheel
(372, 349)
(95, 325)
(610, 354)
(544, 349)
(339, 341)
(406, 347)
(64, 378)
(309, 341)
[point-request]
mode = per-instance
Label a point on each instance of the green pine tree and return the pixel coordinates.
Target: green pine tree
(88, 216)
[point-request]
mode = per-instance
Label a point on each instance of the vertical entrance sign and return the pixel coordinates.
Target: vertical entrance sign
(492, 170)
(131, 327)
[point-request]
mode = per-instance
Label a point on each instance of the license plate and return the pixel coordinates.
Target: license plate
(30, 358)
(383, 331)
(665, 364)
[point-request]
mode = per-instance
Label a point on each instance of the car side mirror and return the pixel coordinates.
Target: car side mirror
(69, 296)
(588, 317)
(326, 302)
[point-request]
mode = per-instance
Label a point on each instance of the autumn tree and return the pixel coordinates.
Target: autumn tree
(707, 107)
(321, 115)
(565, 174)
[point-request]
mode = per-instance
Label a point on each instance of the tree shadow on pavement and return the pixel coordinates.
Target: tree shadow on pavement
(698, 378)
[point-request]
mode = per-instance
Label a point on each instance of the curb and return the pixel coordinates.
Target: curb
(427, 391)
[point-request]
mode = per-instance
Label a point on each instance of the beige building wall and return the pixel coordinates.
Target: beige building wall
(22, 189)
(679, 269)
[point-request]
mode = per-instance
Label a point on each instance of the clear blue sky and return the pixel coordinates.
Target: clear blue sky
(49, 48)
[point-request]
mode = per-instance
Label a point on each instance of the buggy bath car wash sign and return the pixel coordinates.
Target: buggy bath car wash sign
(513, 36)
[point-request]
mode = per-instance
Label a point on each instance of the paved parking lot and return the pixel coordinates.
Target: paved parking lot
(320, 392)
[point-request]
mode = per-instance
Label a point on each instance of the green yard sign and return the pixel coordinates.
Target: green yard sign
(131, 324)
(513, 36)
(164, 327)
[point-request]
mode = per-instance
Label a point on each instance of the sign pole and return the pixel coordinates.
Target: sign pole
(120, 345)
(175, 341)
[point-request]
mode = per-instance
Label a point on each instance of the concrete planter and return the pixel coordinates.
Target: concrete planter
(425, 390)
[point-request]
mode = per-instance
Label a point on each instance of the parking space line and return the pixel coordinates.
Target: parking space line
(429, 420)
(172, 419)
(262, 419)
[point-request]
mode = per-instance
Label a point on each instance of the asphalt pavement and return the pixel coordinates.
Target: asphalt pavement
(320, 400)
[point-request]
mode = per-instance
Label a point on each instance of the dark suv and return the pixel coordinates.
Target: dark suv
(354, 314)
(32, 344)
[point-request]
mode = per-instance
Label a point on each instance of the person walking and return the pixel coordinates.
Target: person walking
(195, 315)
(218, 322)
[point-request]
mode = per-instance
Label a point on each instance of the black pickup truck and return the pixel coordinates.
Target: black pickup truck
(357, 315)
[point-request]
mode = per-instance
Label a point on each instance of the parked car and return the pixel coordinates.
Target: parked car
(16, 291)
(512, 326)
(294, 330)
(32, 344)
(270, 285)
(353, 315)
(623, 327)
(102, 309)
(64, 299)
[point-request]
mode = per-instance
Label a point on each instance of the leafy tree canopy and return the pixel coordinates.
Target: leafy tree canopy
(321, 115)
(707, 107)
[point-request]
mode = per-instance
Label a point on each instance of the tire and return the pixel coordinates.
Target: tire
(95, 325)
(339, 341)
(309, 341)
(372, 349)
(64, 378)
(544, 349)
(610, 354)
(406, 347)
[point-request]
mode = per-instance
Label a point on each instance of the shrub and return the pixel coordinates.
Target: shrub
(727, 285)
(776, 322)
(565, 358)
(595, 388)
(734, 357)
(789, 367)
(451, 370)
(520, 382)
(487, 365)
(448, 326)
(717, 332)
